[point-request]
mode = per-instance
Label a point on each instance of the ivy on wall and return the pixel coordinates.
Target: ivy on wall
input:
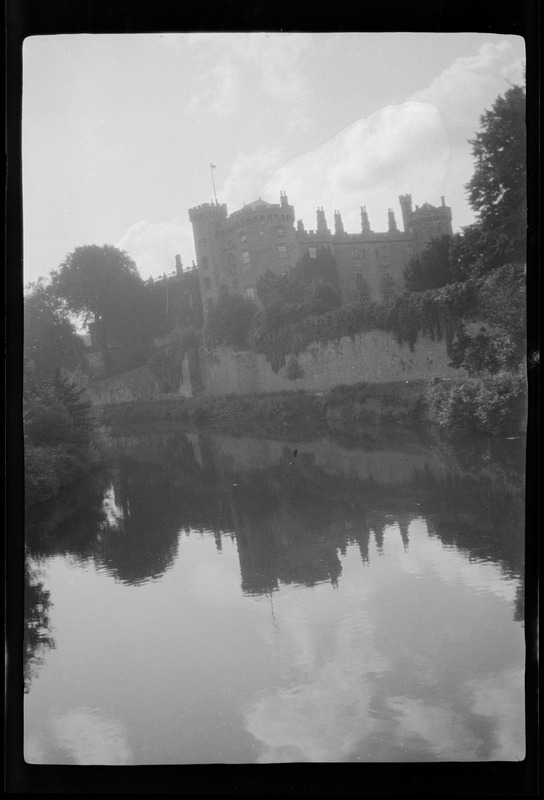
(166, 362)
(498, 298)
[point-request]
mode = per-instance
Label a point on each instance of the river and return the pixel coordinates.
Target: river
(211, 599)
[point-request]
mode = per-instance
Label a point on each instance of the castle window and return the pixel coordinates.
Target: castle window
(245, 257)
(356, 252)
(243, 237)
(280, 231)
(282, 250)
(313, 252)
(251, 293)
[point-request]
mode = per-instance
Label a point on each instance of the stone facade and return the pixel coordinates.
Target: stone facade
(372, 357)
(234, 250)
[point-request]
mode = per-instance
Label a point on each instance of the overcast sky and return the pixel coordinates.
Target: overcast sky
(119, 131)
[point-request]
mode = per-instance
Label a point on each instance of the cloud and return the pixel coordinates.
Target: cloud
(268, 63)
(369, 163)
(471, 84)
(154, 245)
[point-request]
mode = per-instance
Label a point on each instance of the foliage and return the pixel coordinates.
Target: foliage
(62, 439)
(322, 268)
(486, 351)
(229, 320)
(277, 291)
(479, 405)
(172, 303)
(293, 370)
(50, 339)
(431, 268)
(321, 297)
(166, 362)
(102, 285)
(497, 191)
(497, 298)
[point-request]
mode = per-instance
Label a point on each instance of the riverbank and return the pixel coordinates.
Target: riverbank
(494, 405)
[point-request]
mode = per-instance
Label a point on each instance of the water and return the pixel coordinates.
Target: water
(222, 600)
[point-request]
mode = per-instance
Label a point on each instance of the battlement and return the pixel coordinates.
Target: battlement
(208, 211)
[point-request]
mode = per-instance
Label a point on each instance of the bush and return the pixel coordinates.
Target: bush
(479, 405)
(229, 320)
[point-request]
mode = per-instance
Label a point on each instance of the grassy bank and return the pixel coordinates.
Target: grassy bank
(297, 414)
(475, 406)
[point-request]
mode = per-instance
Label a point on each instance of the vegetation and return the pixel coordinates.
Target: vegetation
(495, 405)
(432, 268)
(50, 338)
(229, 320)
(497, 190)
(102, 286)
(62, 440)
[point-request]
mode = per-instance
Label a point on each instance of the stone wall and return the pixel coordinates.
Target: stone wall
(138, 385)
(373, 357)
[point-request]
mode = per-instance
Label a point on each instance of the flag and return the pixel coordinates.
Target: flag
(213, 166)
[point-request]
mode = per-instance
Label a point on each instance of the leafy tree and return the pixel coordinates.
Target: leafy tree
(280, 290)
(321, 268)
(497, 191)
(50, 339)
(431, 268)
(229, 320)
(321, 297)
(102, 285)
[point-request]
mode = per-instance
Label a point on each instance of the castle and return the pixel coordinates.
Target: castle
(233, 251)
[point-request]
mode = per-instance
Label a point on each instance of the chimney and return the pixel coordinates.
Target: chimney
(365, 224)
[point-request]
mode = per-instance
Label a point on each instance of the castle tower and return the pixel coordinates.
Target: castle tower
(284, 202)
(208, 222)
(322, 222)
(300, 226)
(338, 224)
(365, 224)
(392, 221)
(430, 222)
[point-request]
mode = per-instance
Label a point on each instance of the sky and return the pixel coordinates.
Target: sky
(119, 131)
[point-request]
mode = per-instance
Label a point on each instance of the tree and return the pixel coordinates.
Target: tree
(431, 268)
(50, 339)
(229, 320)
(102, 285)
(321, 297)
(497, 191)
(293, 370)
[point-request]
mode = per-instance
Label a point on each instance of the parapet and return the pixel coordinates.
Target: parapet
(207, 210)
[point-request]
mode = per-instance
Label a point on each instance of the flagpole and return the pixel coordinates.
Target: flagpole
(212, 167)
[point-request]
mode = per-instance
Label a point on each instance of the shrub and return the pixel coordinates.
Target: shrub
(481, 405)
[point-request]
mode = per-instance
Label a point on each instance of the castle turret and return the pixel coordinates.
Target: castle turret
(179, 265)
(300, 226)
(322, 222)
(392, 221)
(338, 224)
(365, 224)
(283, 199)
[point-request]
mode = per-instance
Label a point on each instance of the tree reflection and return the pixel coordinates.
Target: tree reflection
(37, 638)
(292, 517)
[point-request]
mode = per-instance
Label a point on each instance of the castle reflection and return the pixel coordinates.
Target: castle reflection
(292, 509)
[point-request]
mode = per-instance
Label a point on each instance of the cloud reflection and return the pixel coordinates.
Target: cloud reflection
(90, 737)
